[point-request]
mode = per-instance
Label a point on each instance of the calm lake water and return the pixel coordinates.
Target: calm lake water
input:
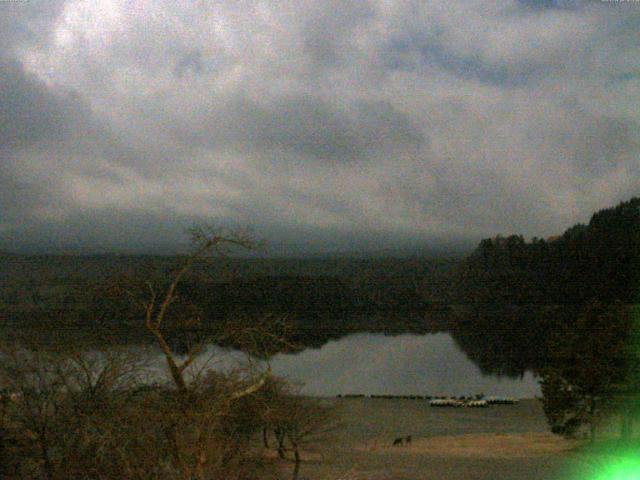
(396, 365)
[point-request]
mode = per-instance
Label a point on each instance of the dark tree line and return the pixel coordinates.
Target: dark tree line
(592, 368)
(599, 261)
(563, 307)
(511, 293)
(322, 299)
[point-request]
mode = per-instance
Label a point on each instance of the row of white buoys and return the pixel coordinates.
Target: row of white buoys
(401, 397)
(474, 403)
(477, 404)
(452, 402)
(477, 401)
(446, 402)
(407, 397)
(502, 401)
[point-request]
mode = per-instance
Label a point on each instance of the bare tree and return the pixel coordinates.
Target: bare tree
(94, 376)
(298, 422)
(64, 409)
(310, 423)
(92, 413)
(195, 412)
(34, 378)
(98, 390)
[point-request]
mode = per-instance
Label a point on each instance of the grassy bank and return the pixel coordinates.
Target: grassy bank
(506, 442)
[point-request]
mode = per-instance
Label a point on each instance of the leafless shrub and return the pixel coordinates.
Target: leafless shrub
(65, 410)
(200, 417)
(89, 413)
(297, 422)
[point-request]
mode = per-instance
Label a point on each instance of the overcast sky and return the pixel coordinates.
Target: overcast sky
(325, 125)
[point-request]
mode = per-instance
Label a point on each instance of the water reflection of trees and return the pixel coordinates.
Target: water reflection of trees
(506, 339)
(518, 293)
(499, 303)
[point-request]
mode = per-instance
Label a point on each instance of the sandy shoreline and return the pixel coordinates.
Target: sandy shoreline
(510, 442)
(478, 445)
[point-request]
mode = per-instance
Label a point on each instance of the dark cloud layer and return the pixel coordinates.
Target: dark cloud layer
(326, 125)
(305, 126)
(32, 113)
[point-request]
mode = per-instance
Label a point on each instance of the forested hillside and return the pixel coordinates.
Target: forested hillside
(510, 294)
(500, 302)
(321, 298)
(598, 261)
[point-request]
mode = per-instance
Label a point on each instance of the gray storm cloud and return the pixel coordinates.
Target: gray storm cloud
(324, 125)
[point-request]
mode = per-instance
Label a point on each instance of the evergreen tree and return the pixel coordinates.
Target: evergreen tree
(591, 358)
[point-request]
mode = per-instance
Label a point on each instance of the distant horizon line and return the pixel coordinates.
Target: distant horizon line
(455, 251)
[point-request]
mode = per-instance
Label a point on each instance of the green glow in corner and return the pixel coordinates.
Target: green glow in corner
(621, 469)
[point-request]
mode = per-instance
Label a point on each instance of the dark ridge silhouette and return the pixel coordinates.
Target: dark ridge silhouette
(499, 303)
